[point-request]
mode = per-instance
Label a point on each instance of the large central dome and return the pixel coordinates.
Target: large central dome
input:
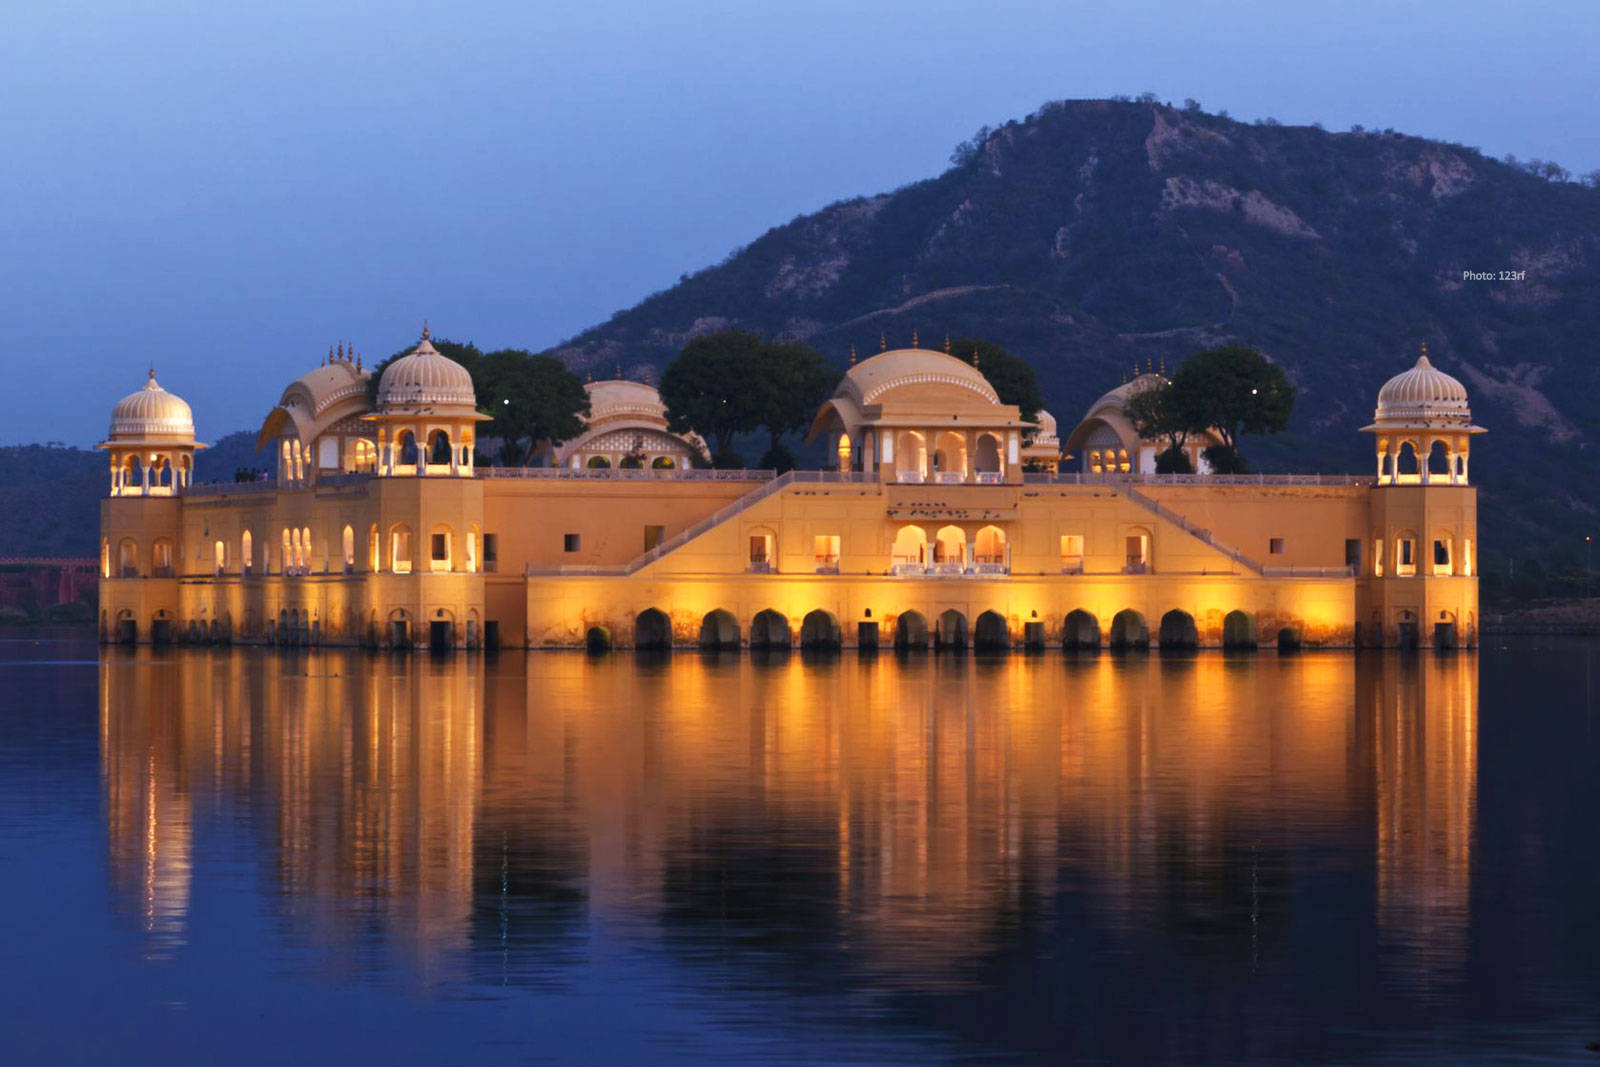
(425, 378)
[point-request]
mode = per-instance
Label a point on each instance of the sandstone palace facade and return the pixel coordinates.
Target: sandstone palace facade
(947, 520)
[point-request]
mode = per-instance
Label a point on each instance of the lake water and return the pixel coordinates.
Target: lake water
(251, 856)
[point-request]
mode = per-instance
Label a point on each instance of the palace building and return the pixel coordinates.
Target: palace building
(945, 520)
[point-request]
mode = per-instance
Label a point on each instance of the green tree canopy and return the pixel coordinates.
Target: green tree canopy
(714, 388)
(1011, 376)
(1234, 390)
(530, 399)
(794, 380)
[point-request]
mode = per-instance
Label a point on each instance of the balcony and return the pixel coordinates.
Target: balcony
(989, 477)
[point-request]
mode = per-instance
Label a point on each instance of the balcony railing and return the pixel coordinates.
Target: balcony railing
(1079, 478)
(629, 474)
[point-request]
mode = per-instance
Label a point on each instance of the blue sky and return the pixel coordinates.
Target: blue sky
(226, 190)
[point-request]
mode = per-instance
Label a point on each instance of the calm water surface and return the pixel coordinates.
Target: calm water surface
(251, 856)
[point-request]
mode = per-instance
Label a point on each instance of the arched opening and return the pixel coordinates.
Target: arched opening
(910, 631)
(363, 456)
(1178, 633)
(631, 463)
(348, 543)
(399, 629)
(472, 549)
(219, 557)
(950, 548)
(910, 551)
(652, 630)
(1439, 462)
(769, 629)
(989, 548)
(990, 633)
(127, 558)
(1405, 553)
(305, 549)
(246, 553)
(1444, 632)
(161, 558)
(663, 463)
(441, 545)
(910, 456)
(1128, 630)
(1289, 639)
(1443, 554)
(1080, 631)
(438, 448)
(599, 463)
(374, 552)
(400, 548)
(441, 631)
(160, 472)
(405, 448)
(950, 456)
(951, 634)
(1238, 630)
(1405, 465)
(820, 630)
(597, 639)
(719, 630)
(986, 455)
(105, 560)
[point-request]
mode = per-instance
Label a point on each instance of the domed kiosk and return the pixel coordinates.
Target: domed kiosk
(1423, 425)
(1107, 442)
(913, 415)
(151, 442)
(426, 415)
(319, 424)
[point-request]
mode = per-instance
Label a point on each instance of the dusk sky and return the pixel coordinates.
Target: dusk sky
(228, 190)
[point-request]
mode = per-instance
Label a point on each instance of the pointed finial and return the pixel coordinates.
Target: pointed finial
(913, 337)
(1163, 371)
(883, 341)
(426, 336)
(358, 363)
(152, 372)
(619, 372)
(974, 357)
(1147, 366)
(588, 376)
(1424, 350)
(647, 380)
(852, 355)
(947, 344)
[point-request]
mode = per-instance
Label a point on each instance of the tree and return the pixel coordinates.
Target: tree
(1012, 377)
(532, 398)
(793, 380)
(712, 388)
(1234, 390)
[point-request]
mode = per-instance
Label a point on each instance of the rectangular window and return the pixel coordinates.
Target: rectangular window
(1072, 552)
(161, 560)
(569, 542)
(1377, 557)
(1405, 556)
(441, 547)
(1466, 557)
(400, 552)
(491, 552)
(1352, 552)
(653, 536)
(1275, 546)
(758, 548)
(825, 548)
(1441, 557)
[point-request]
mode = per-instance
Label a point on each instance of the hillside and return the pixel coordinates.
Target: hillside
(1096, 234)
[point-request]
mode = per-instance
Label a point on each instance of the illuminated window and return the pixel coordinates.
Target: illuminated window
(219, 556)
(161, 559)
(825, 549)
(439, 550)
(400, 549)
(1405, 556)
(1072, 551)
(1377, 557)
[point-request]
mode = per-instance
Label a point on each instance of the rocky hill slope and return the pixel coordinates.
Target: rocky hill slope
(1099, 234)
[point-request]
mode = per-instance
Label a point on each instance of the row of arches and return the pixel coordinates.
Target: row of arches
(295, 553)
(990, 631)
(1405, 462)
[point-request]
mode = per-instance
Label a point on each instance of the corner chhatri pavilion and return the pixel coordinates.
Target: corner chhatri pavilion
(946, 520)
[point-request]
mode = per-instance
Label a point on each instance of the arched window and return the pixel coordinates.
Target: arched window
(400, 548)
(986, 456)
(246, 553)
(1136, 550)
(363, 456)
(950, 547)
(910, 460)
(599, 463)
(349, 550)
(374, 563)
(1405, 554)
(1439, 461)
(105, 558)
(286, 561)
(128, 558)
(405, 448)
(950, 456)
(472, 549)
(989, 547)
(664, 463)
(763, 550)
(910, 548)
(1406, 468)
(439, 448)
(219, 556)
(305, 549)
(161, 558)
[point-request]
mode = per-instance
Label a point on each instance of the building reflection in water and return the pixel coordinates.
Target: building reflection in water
(895, 821)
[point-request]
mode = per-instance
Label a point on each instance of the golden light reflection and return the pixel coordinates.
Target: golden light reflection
(925, 802)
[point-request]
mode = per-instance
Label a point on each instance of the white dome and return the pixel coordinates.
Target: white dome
(1422, 396)
(622, 399)
(425, 378)
(151, 412)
